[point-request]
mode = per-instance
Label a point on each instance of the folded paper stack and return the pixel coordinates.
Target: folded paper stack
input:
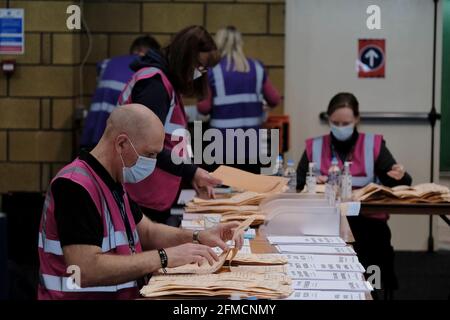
(422, 193)
(262, 286)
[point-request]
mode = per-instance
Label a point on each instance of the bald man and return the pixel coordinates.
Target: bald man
(94, 242)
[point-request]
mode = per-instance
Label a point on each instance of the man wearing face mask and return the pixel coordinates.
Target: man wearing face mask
(92, 231)
(371, 162)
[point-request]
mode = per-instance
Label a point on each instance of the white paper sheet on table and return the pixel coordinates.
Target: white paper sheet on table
(324, 275)
(340, 267)
(310, 240)
(245, 244)
(315, 249)
(326, 295)
(185, 196)
(320, 258)
(329, 285)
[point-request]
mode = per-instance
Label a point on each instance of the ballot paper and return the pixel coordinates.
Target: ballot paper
(316, 249)
(264, 286)
(341, 267)
(320, 258)
(259, 259)
(324, 275)
(206, 268)
(303, 240)
(185, 196)
(328, 285)
(422, 193)
(193, 225)
(326, 295)
(248, 181)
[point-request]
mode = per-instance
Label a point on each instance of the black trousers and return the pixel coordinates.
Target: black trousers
(373, 246)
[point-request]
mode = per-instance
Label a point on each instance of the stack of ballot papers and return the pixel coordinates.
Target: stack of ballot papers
(243, 180)
(422, 193)
(321, 268)
(261, 286)
(236, 207)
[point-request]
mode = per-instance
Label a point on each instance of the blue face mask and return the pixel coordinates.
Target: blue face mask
(142, 169)
(342, 133)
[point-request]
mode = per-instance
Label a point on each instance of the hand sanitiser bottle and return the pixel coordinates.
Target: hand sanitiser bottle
(311, 179)
(346, 183)
(291, 174)
(334, 178)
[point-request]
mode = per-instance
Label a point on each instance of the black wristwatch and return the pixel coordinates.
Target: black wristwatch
(195, 237)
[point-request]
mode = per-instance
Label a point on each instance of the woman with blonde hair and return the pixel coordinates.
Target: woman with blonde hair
(238, 89)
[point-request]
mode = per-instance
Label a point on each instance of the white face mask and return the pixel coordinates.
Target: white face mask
(197, 74)
(342, 133)
(142, 169)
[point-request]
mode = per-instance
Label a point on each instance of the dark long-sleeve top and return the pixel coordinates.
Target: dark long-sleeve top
(383, 163)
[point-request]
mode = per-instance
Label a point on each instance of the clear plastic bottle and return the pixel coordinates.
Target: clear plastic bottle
(291, 174)
(346, 183)
(334, 179)
(311, 180)
(279, 166)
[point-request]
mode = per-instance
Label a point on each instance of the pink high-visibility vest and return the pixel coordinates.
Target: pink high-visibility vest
(55, 275)
(160, 189)
(365, 154)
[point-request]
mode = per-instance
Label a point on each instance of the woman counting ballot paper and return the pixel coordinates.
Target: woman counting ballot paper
(371, 161)
(160, 80)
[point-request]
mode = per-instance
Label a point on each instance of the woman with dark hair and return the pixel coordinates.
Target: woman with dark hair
(371, 162)
(161, 79)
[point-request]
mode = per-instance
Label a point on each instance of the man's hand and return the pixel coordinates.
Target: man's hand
(190, 253)
(217, 236)
(397, 172)
(204, 183)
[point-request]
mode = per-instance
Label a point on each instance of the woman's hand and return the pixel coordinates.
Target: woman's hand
(397, 172)
(204, 184)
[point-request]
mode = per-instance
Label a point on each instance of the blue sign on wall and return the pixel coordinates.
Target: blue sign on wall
(12, 39)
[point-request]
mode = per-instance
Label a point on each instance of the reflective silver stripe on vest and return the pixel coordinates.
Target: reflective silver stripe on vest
(369, 144)
(170, 127)
(109, 243)
(238, 98)
(218, 80)
(317, 152)
(102, 106)
(222, 98)
(129, 88)
(259, 78)
(112, 84)
(65, 284)
(236, 122)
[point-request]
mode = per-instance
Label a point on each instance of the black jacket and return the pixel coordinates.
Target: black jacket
(383, 164)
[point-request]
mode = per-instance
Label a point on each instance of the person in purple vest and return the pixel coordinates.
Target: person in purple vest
(160, 82)
(371, 162)
(112, 76)
(94, 242)
(238, 89)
